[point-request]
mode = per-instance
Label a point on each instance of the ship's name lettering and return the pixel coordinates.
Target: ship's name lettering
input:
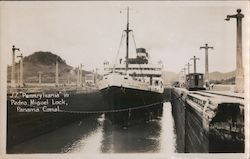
(51, 95)
(34, 95)
(41, 95)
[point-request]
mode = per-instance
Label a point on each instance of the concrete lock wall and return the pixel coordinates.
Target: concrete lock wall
(178, 112)
(222, 131)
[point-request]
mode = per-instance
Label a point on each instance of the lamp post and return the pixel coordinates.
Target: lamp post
(13, 80)
(78, 76)
(239, 80)
(206, 47)
(57, 73)
(21, 70)
(96, 75)
(40, 77)
(181, 79)
(188, 66)
(184, 70)
(184, 74)
(194, 59)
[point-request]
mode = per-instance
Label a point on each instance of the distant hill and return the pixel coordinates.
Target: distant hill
(45, 58)
(169, 77)
(46, 63)
(221, 76)
(218, 77)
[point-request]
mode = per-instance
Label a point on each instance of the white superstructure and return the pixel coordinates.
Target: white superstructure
(138, 76)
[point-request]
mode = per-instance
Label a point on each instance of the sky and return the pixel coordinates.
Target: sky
(90, 32)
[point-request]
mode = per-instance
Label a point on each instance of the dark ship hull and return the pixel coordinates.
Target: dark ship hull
(131, 106)
(120, 98)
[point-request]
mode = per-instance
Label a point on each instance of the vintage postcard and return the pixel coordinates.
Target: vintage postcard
(124, 79)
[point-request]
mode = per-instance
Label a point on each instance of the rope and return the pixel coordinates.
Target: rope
(112, 111)
(134, 39)
(118, 51)
(117, 110)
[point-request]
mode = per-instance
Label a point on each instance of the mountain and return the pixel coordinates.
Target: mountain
(45, 58)
(218, 76)
(169, 77)
(44, 62)
(222, 78)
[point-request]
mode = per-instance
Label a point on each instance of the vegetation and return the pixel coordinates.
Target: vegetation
(44, 62)
(46, 58)
(224, 81)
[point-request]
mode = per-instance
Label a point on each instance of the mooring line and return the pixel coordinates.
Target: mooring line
(111, 111)
(117, 110)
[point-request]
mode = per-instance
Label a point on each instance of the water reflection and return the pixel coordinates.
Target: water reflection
(96, 135)
(155, 136)
(60, 140)
(139, 138)
(168, 134)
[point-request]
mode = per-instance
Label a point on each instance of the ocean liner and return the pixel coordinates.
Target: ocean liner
(133, 83)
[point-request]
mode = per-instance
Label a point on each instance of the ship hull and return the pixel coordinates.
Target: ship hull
(120, 98)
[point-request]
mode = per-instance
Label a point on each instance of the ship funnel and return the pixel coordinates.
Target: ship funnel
(141, 52)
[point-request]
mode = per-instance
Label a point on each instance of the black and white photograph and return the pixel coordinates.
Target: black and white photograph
(124, 79)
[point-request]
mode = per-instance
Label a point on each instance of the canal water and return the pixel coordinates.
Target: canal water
(97, 135)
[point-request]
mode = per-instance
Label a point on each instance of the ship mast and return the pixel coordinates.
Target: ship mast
(127, 39)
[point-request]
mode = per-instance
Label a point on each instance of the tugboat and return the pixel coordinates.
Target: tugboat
(133, 83)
